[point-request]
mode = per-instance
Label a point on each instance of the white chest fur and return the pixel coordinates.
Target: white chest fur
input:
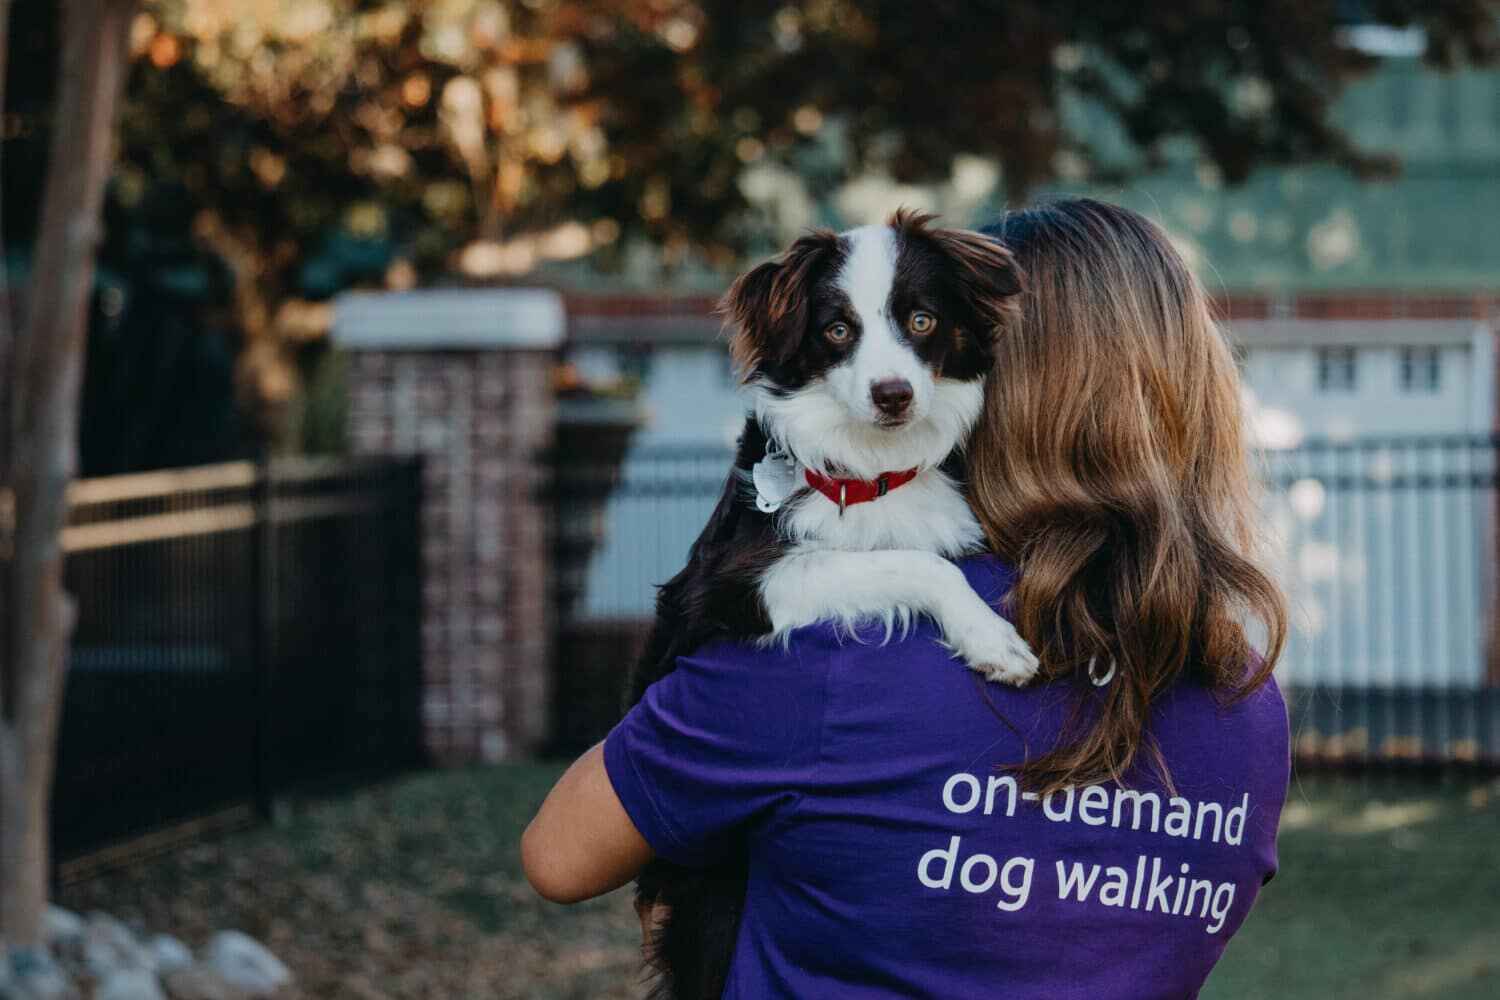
(887, 561)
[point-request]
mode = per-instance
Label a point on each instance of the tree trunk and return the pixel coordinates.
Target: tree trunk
(47, 369)
(6, 319)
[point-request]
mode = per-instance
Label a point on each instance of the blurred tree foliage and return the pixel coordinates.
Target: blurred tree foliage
(311, 145)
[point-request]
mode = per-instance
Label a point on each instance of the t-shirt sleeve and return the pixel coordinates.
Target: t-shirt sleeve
(728, 739)
(1273, 742)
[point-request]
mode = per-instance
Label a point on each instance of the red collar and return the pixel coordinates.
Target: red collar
(847, 492)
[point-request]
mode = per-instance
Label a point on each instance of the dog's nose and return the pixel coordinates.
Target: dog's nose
(891, 396)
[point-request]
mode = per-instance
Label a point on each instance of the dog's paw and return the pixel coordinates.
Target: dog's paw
(991, 646)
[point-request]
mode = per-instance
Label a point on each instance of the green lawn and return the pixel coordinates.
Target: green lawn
(1387, 890)
(411, 890)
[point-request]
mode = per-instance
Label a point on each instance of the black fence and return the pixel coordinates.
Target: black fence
(244, 631)
(623, 526)
(1386, 549)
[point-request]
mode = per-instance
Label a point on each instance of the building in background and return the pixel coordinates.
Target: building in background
(1338, 368)
(1361, 311)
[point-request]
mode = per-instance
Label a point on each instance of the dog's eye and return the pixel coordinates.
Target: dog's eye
(837, 333)
(921, 323)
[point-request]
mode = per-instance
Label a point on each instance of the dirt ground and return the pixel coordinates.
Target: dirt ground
(408, 890)
(412, 889)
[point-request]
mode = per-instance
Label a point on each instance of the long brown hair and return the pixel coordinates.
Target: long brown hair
(1109, 466)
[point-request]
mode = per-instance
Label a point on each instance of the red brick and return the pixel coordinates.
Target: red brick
(485, 693)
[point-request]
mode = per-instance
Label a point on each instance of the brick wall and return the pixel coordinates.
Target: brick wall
(464, 380)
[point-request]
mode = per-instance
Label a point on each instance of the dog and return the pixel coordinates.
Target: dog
(863, 355)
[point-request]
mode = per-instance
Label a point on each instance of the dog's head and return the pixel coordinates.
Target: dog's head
(866, 351)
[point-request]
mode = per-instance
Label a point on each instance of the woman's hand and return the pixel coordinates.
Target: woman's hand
(582, 843)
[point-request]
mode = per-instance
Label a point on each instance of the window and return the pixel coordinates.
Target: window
(1421, 369)
(1336, 369)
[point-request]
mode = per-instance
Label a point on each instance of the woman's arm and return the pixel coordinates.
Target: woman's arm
(721, 742)
(582, 843)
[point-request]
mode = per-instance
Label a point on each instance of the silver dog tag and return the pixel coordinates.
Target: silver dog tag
(775, 479)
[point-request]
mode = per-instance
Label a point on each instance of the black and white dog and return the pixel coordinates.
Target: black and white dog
(863, 355)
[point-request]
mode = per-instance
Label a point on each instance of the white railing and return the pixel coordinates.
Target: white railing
(1387, 550)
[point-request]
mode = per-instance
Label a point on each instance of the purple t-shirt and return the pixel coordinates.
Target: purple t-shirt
(891, 857)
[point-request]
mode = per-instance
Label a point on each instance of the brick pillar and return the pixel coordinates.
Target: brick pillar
(463, 378)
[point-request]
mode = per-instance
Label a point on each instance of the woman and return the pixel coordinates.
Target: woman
(913, 831)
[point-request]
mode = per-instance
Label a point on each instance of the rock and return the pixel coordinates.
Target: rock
(170, 953)
(109, 947)
(245, 963)
(129, 984)
(34, 975)
(199, 982)
(62, 929)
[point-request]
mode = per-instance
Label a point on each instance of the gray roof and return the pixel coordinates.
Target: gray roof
(1305, 228)
(450, 319)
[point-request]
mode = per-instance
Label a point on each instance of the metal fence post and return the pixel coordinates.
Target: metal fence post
(262, 586)
(408, 545)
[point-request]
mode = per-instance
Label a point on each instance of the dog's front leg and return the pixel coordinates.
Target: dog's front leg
(809, 585)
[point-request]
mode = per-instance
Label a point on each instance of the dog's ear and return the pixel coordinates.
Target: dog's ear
(768, 306)
(746, 307)
(985, 272)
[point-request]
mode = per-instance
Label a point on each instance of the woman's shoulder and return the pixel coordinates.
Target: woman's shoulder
(1208, 732)
(1193, 696)
(796, 664)
(1261, 708)
(989, 575)
(1264, 711)
(1267, 700)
